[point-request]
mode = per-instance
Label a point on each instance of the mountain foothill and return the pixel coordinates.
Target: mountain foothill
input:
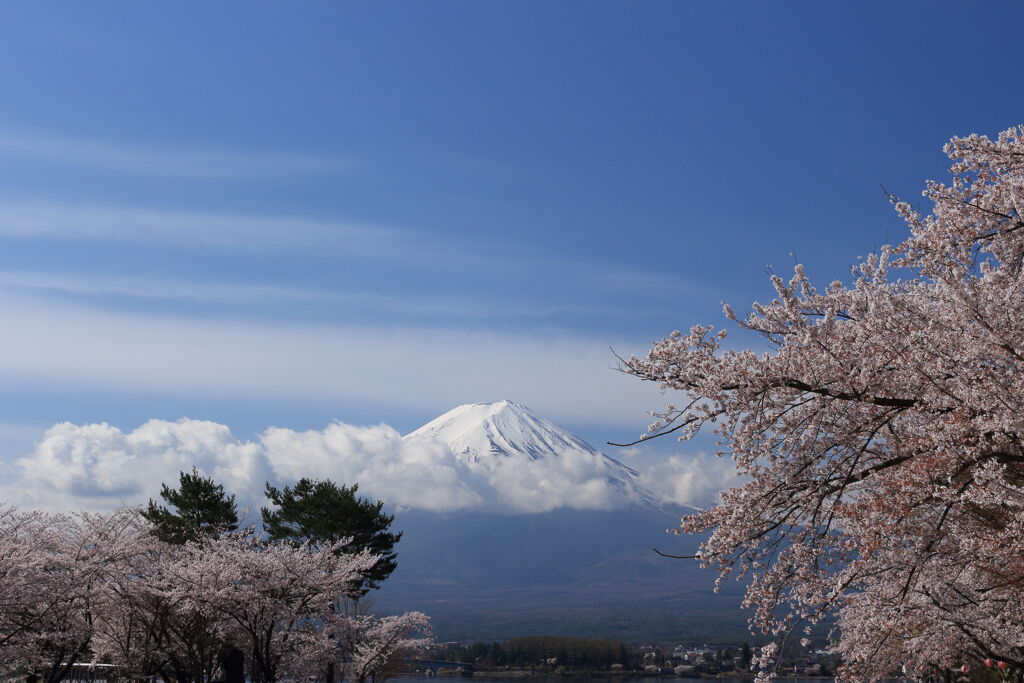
(567, 571)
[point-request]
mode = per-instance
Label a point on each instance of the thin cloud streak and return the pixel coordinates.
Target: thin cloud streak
(203, 164)
(95, 288)
(194, 230)
(158, 288)
(428, 370)
(237, 232)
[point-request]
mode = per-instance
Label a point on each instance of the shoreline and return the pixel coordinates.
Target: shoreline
(609, 675)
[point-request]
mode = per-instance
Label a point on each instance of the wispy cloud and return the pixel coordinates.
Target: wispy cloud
(566, 376)
(38, 220)
(395, 247)
(180, 162)
(158, 288)
(442, 310)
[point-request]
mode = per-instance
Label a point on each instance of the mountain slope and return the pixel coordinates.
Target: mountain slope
(476, 431)
(496, 439)
(565, 572)
(570, 569)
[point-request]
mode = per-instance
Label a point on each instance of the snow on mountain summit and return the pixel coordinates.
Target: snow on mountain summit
(502, 436)
(504, 428)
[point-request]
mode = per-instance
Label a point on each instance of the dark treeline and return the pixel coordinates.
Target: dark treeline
(572, 653)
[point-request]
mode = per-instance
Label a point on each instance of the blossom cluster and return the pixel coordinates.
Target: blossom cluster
(880, 435)
(101, 588)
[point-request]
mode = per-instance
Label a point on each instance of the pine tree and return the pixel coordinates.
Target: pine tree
(201, 509)
(322, 511)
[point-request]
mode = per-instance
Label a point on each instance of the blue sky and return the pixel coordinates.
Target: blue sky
(284, 214)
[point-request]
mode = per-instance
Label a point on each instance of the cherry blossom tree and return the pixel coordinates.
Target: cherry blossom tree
(103, 587)
(27, 546)
(273, 598)
(148, 628)
(373, 648)
(879, 435)
(56, 568)
(17, 566)
(133, 631)
(182, 607)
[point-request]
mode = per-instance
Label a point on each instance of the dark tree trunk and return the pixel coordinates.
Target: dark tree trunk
(233, 663)
(181, 672)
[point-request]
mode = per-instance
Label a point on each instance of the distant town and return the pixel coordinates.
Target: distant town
(554, 655)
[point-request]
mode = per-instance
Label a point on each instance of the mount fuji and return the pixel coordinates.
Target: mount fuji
(502, 428)
(583, 567)
(503, 440)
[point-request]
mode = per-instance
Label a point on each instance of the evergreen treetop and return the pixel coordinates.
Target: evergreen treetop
(201, 509)
(324, 512)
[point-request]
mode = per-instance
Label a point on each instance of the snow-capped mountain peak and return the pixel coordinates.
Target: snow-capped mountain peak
(491, 437)
(503, 429)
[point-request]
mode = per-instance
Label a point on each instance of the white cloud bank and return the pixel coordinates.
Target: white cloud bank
(98, 466)
(691, 480)
(574, 479)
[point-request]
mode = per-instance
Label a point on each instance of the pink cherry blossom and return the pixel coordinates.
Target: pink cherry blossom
(84, 587)
(879, 435)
